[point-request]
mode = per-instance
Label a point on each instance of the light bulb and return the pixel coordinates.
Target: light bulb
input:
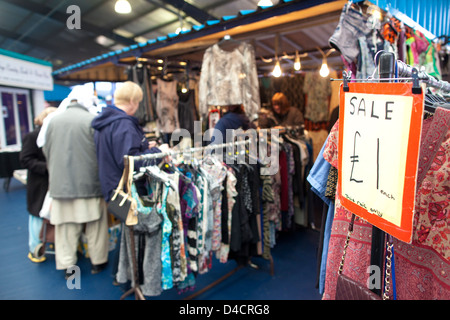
(277, 70)
(122, 6)
(265, 3)
(297, 64)
(324, 71)
(180, 29)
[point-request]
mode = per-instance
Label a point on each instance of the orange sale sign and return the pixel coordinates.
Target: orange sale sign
(380, 127)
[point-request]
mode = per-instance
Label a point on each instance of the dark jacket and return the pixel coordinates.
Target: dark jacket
(32, 158)
(116, 135)
(293, 117)
(231, 120)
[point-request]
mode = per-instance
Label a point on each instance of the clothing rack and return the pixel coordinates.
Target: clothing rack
(136, 289)
(405, 70)
(160, 155)
(391, 70)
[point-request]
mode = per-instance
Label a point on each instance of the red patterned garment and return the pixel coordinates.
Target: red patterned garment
(422, 268)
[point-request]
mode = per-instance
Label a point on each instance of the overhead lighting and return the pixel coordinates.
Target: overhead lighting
(324, 70)
(297, 63)
(183, 88)
(277, 70)
(265, 3)
(104, 41)
(179, 29)
(122, 7)
(140, 39)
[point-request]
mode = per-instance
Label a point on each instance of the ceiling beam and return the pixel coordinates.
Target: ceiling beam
(62, 17)
(196, 13)
(299, 48)
(69, 52)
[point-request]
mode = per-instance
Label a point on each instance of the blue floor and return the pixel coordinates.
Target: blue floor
(294, 276)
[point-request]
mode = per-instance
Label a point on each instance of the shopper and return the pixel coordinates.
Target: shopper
(284, 113)
(77, 202)
(233, 118)
(118, 133)
(33, 159)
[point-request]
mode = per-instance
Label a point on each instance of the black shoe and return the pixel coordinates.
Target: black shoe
(67, 274)
(96, 268)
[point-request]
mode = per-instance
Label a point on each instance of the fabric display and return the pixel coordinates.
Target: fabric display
(212, 209)
(422, 267)
(190, 213)
(229, 78)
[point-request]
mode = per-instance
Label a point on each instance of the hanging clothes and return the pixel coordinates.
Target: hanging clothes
(146, 111)
(318, 91)
(422, 267)
(167, 106)
(187, 112)
(229, 78)
(188, 215)
(148, 239)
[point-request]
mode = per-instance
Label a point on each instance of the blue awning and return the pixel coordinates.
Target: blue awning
(59, 93)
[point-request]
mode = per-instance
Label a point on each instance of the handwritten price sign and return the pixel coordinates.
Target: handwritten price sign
(379, 136)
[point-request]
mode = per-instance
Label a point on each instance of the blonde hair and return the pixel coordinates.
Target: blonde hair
(39, 120)
(280, 99)
(128, 91)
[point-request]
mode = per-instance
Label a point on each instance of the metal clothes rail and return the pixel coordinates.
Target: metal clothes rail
(405, 70)
(159, 155)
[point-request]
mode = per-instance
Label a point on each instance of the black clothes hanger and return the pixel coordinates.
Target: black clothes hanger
(227, 43)
(432, 101)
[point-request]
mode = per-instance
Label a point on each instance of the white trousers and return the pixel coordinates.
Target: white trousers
(67, 237)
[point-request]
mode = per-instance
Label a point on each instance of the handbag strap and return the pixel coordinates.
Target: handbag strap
(388, 268)
(388, 276)
(127, 177)
(122, 179)
(130, 174)
(347, 240)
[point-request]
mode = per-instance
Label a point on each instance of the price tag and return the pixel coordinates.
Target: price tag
(379, 137)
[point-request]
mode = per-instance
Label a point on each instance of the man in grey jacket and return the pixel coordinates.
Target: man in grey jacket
(78, 205)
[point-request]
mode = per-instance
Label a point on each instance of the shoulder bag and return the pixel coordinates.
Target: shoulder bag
(349, 289)
(122, 205)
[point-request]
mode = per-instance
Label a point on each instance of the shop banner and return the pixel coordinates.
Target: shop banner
(380, 126)
(25, 74)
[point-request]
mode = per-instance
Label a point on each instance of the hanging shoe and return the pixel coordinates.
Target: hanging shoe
(35, 259)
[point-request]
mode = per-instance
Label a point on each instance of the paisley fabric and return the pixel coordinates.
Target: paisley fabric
(422, 268)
